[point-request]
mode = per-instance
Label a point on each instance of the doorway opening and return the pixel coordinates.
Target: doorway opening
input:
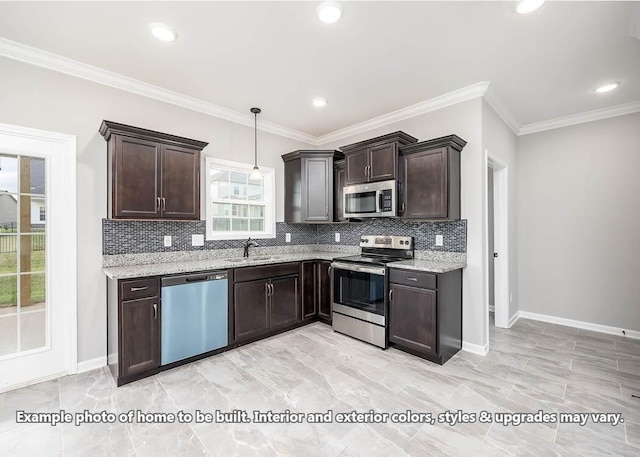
(498, 243)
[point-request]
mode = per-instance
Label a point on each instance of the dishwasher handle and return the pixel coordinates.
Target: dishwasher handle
(190, 279)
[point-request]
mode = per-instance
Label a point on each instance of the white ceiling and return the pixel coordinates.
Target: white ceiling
(382, 56)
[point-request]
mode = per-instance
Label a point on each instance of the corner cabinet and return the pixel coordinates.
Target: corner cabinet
(425, 313)
(152, 175)
(429, 179)
(375, 159)
(309, 186)
(316, 290)
(133, 328)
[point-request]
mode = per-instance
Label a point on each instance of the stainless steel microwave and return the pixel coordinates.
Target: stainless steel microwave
(376, 199)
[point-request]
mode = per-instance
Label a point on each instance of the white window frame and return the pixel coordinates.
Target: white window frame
(269, 175)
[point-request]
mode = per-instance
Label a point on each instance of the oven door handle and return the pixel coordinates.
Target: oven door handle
(382, 271)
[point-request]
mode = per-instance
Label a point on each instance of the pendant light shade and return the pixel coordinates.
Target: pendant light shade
(255, 173)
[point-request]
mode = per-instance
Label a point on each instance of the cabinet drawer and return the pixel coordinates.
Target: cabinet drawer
(413, 278)
(266, 271)
(138, 288)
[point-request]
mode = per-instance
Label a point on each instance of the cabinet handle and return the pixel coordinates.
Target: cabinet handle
(391, 295)
(266, 286)
(271, 286)
(155, 310)
(136, 289)
(329, 270)
(326, 211)
(411, 279)
(157, 203)
(402, 207)
(164, 204)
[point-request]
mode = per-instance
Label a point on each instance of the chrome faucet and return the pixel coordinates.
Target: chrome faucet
(247, 245)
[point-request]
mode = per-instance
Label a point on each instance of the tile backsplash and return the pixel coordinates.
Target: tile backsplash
(136, 237)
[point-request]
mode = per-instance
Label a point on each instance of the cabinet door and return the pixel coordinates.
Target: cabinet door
(139, 336)
(324, 290)
(412, 318)
(251, 310)
(180, 191)
(356, 164)
(383, 162)
(425, 184)
(316, 194)
(338, 194)
(285, 304)
(309, 303)
(136, 171)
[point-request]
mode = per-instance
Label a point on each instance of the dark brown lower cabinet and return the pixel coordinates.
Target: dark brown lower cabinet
(133, 316)
(412, 318)
(425, 313)
(323, 284)
(285, 304)
(264, 301)
(316, 290)
(251, 308)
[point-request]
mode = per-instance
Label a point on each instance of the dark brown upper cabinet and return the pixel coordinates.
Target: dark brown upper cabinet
(151, 175)
(375, 159)
(339, 176)
(309, 186)
(429, 181)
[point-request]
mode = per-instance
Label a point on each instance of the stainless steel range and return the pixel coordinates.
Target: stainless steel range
(360, 287)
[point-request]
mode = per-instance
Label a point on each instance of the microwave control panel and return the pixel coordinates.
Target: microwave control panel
(385, 197)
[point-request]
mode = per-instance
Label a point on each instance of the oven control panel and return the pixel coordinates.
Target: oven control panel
(386, 241)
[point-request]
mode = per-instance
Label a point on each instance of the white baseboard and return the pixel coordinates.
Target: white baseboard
(92, 364)
(514, 319)
(475, 348)
(634, 334)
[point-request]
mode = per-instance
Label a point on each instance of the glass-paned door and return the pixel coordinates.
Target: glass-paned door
(24, 316)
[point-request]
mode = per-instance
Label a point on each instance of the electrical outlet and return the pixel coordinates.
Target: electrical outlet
(439, 240)
(197, 240)
(337, 237)
(287, 237)
(167, 241)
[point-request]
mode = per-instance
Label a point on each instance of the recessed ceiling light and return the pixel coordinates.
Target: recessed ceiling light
(329, 12)
(608, 87)
(162, 31)
(528, 6)
(319, 102)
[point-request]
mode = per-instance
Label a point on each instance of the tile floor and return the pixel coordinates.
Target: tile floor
(531, 367)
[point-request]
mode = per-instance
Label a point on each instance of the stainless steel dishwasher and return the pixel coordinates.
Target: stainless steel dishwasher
(194, 315)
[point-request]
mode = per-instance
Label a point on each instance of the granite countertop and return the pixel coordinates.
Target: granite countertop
(430, 266)
(192, 266)
(159, 264)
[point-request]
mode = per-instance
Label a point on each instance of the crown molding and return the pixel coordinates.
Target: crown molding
(581, 118)
(499, 107)
(55, 62)
(436, 103)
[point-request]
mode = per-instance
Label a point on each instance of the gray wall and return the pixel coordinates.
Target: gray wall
(463, 119)
(500, 143)
(579, 222)
(43, 99)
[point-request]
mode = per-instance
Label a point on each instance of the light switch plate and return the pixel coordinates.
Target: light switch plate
(287, 237)
(439, 240)
(167, 241)
(337, 237)
(197, 240)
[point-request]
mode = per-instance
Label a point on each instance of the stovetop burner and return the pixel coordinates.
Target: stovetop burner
(380, 250)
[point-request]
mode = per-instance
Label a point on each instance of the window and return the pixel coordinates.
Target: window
(239, 207)
(42, 214)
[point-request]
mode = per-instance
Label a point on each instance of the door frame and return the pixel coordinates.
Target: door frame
(60, 151)
(500, 240)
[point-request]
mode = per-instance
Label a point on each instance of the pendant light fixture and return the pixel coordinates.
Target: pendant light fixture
(255, 173)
